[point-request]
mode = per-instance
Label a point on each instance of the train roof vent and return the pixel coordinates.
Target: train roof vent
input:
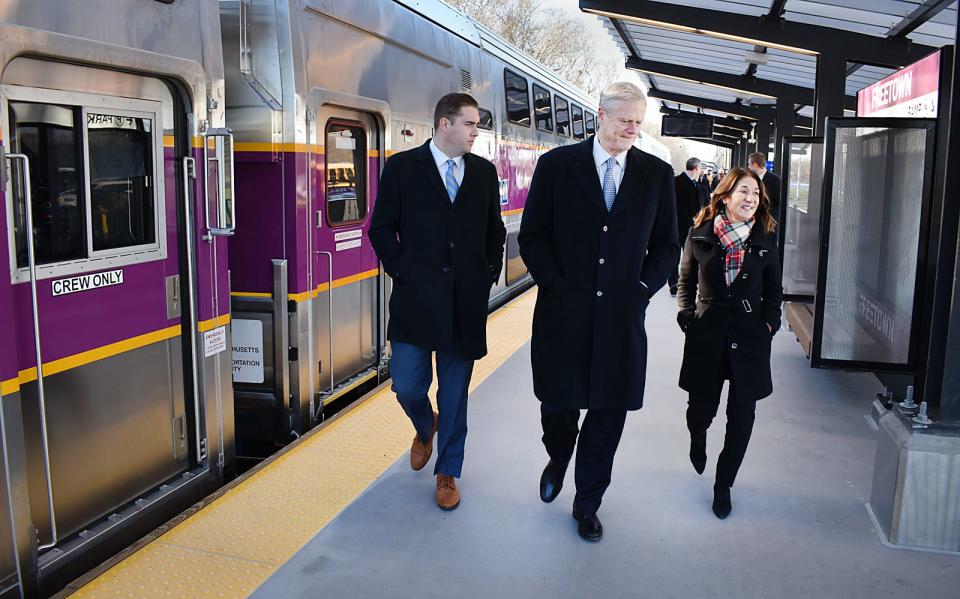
(465, 80)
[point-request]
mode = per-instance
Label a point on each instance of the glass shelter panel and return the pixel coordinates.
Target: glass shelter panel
(801, 248)
(879, 179)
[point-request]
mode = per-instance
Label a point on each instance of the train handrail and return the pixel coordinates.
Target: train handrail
(329, 256)
(190, 170)
(222, 228)
(32, 261)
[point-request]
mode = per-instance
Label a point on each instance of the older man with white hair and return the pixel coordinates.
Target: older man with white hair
(599, 236)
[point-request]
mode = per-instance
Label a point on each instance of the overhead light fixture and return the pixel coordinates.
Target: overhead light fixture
(736, 90)
(698, 31)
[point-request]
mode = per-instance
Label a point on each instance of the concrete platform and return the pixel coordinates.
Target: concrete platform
(798, 528)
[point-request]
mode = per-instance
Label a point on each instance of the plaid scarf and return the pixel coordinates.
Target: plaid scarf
(733, 237)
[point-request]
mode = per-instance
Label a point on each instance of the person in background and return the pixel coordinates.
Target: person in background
(691, 197)
(599, 235)
(437, 229)
(729, 297)
(757, 163)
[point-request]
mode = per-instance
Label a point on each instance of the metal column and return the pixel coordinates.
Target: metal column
(830, 93)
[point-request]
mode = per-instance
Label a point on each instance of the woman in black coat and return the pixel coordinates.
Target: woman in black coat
(729, 295)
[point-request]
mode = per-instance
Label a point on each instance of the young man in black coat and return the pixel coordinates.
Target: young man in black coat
(437, 229)
(692, 195)
(599, 236)
(757, 164)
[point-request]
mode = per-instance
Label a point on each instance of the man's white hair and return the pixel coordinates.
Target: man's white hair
(621, 91)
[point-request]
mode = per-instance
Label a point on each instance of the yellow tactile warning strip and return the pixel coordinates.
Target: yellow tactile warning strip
(231, 546)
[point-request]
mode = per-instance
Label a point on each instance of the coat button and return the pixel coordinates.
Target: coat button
(604, 228)
(744, 276)
(599, 294)
(601, 260)
(733, 346)
(446, 269)
(452, 244)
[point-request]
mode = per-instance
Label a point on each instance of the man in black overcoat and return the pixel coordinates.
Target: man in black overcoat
(437, 229)
(692, 195)
(757, 163)
(599, 236)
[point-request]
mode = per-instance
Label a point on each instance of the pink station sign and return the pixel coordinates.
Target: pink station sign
(911, 92)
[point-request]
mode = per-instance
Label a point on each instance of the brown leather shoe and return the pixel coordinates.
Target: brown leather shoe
(448, 498)
(420, 452)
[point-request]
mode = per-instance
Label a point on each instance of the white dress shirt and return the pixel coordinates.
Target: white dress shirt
(600, 156)
(441, 159)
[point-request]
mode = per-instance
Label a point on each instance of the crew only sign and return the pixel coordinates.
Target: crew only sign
(87, 282)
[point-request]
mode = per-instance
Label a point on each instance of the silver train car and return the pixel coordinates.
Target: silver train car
(142, 249)
(118, 205)
(319, 94)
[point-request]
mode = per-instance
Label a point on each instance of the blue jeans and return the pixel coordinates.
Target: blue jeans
(412, 372)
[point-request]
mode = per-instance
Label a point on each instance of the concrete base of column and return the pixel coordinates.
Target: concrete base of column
(916, 484)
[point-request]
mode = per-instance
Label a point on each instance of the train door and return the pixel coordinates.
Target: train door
(347, 312)
(95, 264)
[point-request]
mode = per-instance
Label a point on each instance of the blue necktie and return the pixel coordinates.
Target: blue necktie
(609, 189)
(451, 181)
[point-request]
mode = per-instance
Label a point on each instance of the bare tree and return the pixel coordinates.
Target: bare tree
(556, 38)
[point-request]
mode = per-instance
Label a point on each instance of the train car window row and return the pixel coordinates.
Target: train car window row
(577, 122)
(591, 123)
(542, 109)
(518, 98)
(91, 181)
(346, 180)
(486, 120)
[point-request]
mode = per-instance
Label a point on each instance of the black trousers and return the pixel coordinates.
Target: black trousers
(701, 410)
(674, 275)
(597, 445)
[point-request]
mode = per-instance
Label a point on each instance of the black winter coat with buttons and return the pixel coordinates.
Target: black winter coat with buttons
(596, 272)
(442, 256)
(736, 318)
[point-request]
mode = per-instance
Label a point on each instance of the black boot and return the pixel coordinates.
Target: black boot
(698, 450)
(721, 501)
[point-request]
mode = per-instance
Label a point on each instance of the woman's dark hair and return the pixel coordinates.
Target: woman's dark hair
(725, 189)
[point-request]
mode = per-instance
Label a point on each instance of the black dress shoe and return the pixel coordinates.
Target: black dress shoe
(551, 481)
(698, 450)
(721, 501)
(673, 290)
(588, 525)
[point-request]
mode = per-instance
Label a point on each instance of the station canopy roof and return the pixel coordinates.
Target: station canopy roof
(712, 39)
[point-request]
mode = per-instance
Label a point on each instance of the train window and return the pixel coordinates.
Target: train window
(591, 123)
(48, 136)
(563, 116)
(346, 156)
(120, 159)
(518, 100)
(542, 111)
(486, 120)
(577, 121)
